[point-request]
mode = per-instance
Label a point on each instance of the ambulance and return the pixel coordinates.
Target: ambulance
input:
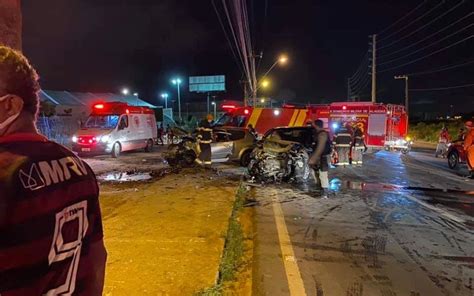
(116, 127)
(385, 126)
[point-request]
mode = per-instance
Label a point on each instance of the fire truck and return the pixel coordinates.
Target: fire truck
(385, 126)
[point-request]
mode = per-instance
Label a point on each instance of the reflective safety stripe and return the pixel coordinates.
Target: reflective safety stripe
(206, 129)
(301, 118)
(198, 161)
(208, 162)
(293, 117)
(343, 145)
(342, 163)
(205, 141)
(254, 116)
(343, 135)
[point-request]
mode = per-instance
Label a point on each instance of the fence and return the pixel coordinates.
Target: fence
(59, 129)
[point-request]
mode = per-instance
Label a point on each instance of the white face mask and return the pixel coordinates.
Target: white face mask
(9, 120)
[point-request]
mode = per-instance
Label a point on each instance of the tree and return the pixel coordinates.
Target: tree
(10, 23)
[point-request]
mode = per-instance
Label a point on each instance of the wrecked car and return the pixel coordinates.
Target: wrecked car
(282, 156)
(229, 144)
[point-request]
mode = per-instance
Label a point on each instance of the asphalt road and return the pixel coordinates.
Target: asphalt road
(399, 225)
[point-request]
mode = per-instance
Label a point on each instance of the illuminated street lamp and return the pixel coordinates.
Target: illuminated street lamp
(135, 94)
(265, 83)
(282, 60)
(165, 96)
(215, 112)
(125, 91)
(177, 82)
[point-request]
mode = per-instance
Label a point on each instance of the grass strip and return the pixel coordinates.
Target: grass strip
(233, 247)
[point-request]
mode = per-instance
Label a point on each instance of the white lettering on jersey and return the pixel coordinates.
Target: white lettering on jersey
(61, 250)
(45, 173)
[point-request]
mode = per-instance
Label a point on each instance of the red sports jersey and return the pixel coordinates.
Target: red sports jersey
(51, 240)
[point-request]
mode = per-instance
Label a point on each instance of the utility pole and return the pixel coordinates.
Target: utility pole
(405, 77)
(349, 90)
(374, 70)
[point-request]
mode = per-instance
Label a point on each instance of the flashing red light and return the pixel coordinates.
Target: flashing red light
(228, 106)
(99, 106)
(246, 111)
(127, 111)
(344, 107)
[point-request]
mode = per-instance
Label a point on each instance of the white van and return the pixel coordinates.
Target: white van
(116, 127)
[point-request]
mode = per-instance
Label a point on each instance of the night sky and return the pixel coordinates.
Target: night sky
(103, 45)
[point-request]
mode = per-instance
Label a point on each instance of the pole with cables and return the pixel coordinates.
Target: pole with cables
(405, 77)
(374, 70)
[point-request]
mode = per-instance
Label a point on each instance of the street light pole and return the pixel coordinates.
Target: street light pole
(165, 96)
(406, 90)
(177, 82)
(215, 111)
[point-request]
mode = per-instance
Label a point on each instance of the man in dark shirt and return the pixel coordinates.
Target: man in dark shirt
(319, 159)
(51, 240)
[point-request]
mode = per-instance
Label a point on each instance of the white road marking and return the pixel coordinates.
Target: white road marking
(293, 275)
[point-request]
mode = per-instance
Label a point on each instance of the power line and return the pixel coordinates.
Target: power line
(442, 88)
(441, 69)
(409, 24)
(428, 55)
(426, 38)
(402, 18)
(361, 71)
(425, 47)
(227, 37)
(422, 27)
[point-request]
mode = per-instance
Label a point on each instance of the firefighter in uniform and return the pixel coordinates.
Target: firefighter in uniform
(342, 143)
(205, 140)
(50, 222)
(358, 146)
(469, 147)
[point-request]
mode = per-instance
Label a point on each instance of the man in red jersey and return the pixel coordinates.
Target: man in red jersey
(51, 240)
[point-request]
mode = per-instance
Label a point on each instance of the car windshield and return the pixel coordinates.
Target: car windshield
(102, 121)
(228, 119)
(301, 135)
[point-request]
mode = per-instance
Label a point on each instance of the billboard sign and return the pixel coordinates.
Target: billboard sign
(203, 84)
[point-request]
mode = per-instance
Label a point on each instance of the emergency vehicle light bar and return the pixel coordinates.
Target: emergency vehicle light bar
(99, 106)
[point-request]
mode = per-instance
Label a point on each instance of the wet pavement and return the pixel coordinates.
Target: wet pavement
(400, 225)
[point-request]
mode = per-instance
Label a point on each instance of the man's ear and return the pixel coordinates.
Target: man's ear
(15, 104)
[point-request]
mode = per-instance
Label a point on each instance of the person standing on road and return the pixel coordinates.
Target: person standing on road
(50, 221)
(469, 147)
(205, 140)
(169, 134)
(252, 131)
(443, 141)
(318, 161)
(358, 146)
(160, 134)
(342, 143)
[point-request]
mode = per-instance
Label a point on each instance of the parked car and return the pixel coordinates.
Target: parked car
(456, 155)
(229, 144)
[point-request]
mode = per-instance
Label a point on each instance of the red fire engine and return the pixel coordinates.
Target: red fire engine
(384, 126)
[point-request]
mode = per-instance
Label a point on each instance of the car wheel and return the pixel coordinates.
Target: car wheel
(149, 146)
(453, 160)
(245, 158)
(189, 158)
(116, 150)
